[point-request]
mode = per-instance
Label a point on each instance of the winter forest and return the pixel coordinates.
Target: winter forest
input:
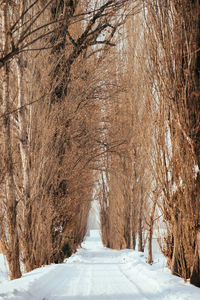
(100, 100)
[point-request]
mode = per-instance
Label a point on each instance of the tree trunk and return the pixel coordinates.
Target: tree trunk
(195, 276)
(150, 234)
(27, 242)
(174, 263)
(140, 236)
(25, 159)
(175, 256)
(131, 225)
(12, 242)
(140, 233)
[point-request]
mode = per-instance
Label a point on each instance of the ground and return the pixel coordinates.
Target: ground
(95, 273)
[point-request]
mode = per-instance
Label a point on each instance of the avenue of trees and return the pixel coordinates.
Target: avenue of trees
(153, 181)
(104, 96)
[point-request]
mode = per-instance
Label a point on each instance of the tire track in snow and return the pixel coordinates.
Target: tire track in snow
(141, 292)
(81, 286)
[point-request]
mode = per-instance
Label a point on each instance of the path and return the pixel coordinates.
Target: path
(95, 273)
(98, 274)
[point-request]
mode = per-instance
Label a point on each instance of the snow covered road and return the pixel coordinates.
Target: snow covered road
(94, 273)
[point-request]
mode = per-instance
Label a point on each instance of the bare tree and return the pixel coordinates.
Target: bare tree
(174, 64)
(9, 230)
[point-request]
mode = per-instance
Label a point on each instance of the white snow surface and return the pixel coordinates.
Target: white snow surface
(95, 273)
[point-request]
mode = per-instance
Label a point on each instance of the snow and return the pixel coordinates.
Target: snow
(95, 273)
(3, 269)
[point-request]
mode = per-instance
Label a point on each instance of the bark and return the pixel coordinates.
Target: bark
(131, 226)
(140, 236)
(195, 275)
(12, 249)
(149, 245)
(150, 233)
(24, 152)
(131, 241)
(27, 242)
(193, 107)
(174, 262)
(140, 229)
(179, 264)
(195, 101)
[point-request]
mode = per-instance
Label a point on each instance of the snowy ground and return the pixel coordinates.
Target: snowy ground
(95, 273)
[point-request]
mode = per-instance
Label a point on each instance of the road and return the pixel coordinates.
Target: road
(98, 273)
(93, 273)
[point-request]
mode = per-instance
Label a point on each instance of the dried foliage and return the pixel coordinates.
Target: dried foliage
(51, 57)
(159, 180)
(106, 94)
